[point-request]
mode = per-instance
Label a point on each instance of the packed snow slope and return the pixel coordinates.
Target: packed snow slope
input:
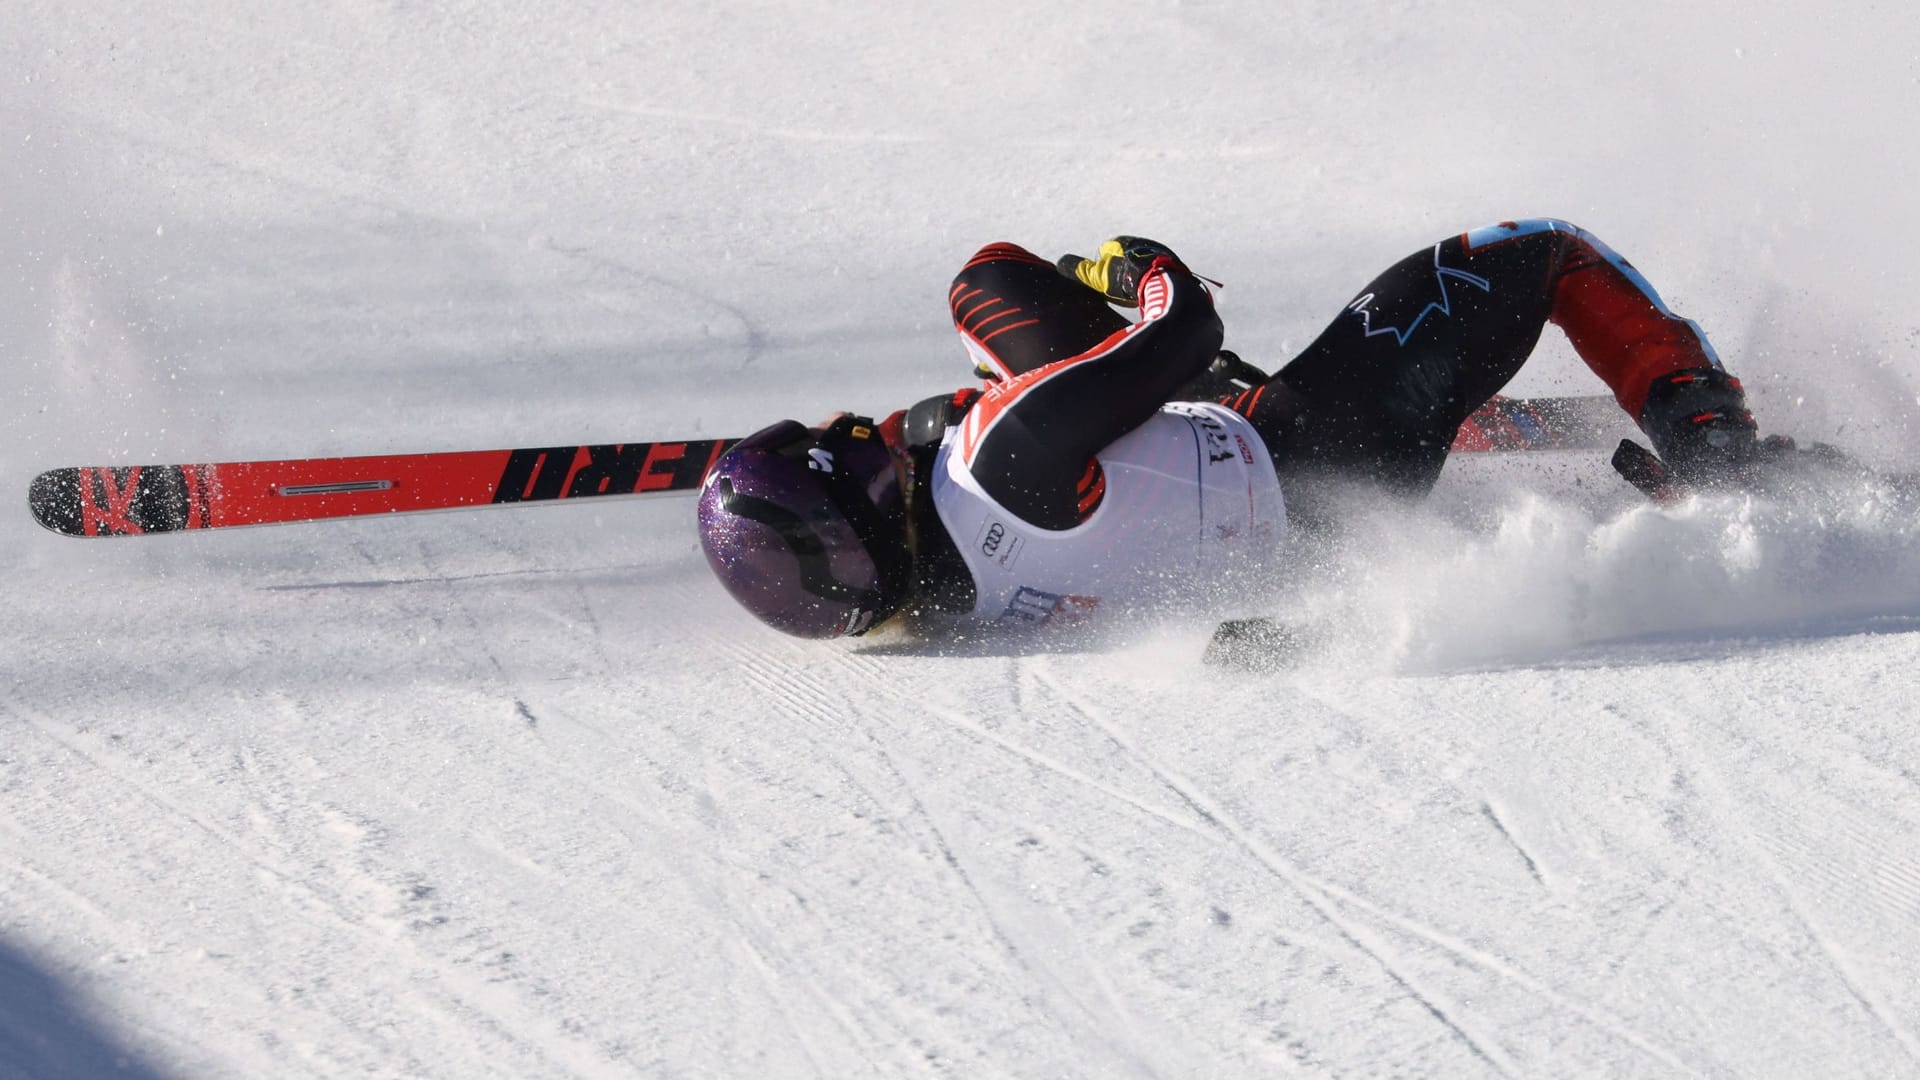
(1570, 786)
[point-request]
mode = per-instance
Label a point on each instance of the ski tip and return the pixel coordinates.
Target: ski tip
(111, 501)
(54, 499)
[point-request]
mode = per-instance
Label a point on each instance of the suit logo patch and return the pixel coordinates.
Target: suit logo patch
(1037, 606)
(1000, 544)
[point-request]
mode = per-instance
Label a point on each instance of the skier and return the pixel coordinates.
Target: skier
(1112, 463)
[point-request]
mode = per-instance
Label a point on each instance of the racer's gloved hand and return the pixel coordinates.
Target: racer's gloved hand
(1116, 273)
(1705, 439)
(1702, 436)
(1698, 422)
(1779, 465)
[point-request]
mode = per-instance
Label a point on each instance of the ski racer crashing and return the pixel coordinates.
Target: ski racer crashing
(1108, 463)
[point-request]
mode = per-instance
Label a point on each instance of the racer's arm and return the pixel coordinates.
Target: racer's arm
(1660, 366)
(1030, 440)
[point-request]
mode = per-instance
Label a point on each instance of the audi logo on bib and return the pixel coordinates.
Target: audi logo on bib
(999, 543)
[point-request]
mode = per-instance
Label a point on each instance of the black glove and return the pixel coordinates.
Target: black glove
(1116, 274)
(1705, 439)
(1698, 422)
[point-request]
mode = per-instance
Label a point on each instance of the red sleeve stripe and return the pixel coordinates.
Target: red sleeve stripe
(1009, 326)
(963, 316)
(1004, 252)
(981, 324)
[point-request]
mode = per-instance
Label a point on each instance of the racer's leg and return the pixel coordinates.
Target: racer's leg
(1381, 393)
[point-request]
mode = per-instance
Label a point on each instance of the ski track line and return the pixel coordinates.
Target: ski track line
(410, 582)
(19, 839)
(757, 940)
(456, 1013)
(755, 337)
(458, 1010)
(1593, 1014)
(778, 669)
(1309, 885)
(1895, 879)
(74, 899)
(874, 670)
(1492, 814)
(1890, 886)
(816, 698)
(1310, 891)
(870, 669)
(1038, 973)
(810, 708)
(754, 937)
(768, 979)
(1723, 806)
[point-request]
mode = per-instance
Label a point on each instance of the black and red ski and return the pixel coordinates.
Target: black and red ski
(127, 501)
(138, 499)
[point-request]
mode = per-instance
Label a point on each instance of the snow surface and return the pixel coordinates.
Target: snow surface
(1572, 788)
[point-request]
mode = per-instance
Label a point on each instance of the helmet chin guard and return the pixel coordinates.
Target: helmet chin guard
(807, 528)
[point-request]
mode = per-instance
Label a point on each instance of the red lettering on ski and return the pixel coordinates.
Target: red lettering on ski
(573, 464)
(659, 453)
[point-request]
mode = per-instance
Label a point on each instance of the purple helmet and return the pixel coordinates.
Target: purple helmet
(807, 528)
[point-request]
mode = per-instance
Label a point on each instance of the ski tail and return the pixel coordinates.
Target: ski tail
(141, 499)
